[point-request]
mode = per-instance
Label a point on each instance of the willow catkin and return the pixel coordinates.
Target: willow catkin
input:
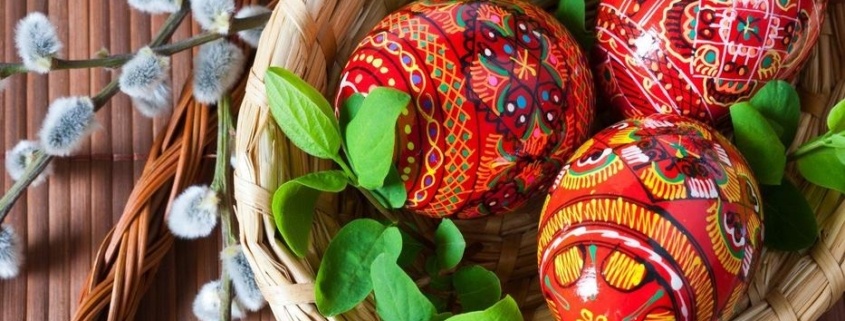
(37, 42)
(69, 120)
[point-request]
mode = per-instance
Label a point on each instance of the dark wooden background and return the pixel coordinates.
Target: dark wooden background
(63, 221)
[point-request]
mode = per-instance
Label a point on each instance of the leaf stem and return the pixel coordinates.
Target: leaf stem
(807, 148)
(346, 169)
(408, 228)
(381, 209)
(222, 177)
(114, 61)
(41, 159)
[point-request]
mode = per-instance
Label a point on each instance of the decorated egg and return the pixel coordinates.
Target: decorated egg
(696, 58)
(654, 218)
(500, 96)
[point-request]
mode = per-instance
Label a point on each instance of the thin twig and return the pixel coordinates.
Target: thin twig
(170, 25)
(222, 177)
(113, 88)
(38, 165)
(41, 159)
(114, 61)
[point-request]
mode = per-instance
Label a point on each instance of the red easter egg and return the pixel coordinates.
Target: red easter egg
(696, 58)
(654, 218)
(501, 95)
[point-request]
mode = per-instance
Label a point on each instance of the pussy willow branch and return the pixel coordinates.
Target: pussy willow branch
(114, 61)
(222, 177)
(100, 100)
(41, 160)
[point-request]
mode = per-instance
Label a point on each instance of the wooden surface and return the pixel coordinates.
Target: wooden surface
(62, 222)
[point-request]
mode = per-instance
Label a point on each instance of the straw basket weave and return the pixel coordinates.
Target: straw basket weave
(313, 38)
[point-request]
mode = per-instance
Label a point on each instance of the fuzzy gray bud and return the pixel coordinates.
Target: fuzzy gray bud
(143, 73)
(37, 42)
(251, 36)
(206, 305)
(194, 213)
(10, 253)
(243, 278)
(20, 157)
(156, 103)
(68, 121)
(156, 6)
(213, 15)
(217, 68)
(144, 78)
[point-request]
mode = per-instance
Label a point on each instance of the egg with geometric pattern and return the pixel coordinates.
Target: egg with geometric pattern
(653, 218)
(696, 58)
(501, 94)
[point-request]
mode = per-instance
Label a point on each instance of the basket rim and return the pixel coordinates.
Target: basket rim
(768, 296)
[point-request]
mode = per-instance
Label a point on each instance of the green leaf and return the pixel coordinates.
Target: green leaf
(823, 167)
(778, 102)
(333, 181)
(758, 142)
(442, 317)
(450, 245)
(477, 288)
(790, 223)
(371, 135)
(439, 303)
(504, 310)
(303, 114)
(840, 153)
(397, 296)
(836, 118)
(411, 248)
(442, 283)
(350, 108)
(293, 206)
(835, 140)
(343, 279)
(573, 15)
(393, 191)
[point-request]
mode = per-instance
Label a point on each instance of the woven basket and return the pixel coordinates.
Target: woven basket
(313, 38)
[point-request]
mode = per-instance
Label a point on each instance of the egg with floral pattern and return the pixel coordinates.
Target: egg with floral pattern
(500, 96)
(654, 218)
(697, 58)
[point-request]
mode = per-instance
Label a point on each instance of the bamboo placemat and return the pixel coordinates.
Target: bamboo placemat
(62, 222)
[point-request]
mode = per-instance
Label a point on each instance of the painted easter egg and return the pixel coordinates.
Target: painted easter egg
(654, 218)
(501, 96)
(696, 58)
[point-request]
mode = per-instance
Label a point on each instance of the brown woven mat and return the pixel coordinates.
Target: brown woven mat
(63, 221)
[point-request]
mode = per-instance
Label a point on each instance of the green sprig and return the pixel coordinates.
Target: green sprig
(763, 127)
(362, 258)
(822, 160)
(307, 119)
